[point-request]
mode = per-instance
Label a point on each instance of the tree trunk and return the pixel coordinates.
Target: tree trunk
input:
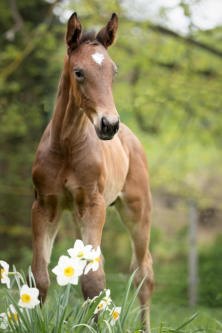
(193, 260)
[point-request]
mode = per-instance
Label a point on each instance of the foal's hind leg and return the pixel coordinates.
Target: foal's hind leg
(134, 209)
(45, 216)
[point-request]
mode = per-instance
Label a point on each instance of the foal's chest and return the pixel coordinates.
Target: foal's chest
(116, 167)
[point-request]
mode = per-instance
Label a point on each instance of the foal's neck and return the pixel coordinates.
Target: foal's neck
(69, 122)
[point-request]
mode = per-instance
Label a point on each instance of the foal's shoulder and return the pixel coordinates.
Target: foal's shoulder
(46, 162)
(44, 140)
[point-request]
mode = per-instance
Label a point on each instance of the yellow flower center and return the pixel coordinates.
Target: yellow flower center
(98, 259)
(15, 317)
(2, 272)
(100, 305)
(69, 271)
(26, 298)
(80, 254)
(115, 315)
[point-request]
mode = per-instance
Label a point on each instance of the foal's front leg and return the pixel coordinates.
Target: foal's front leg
(45, 216)
(91, 220)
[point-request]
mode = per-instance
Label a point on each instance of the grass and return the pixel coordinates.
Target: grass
(169, 308)
(170, 315)
(165, 317)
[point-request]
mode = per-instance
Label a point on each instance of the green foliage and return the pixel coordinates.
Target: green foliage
(59, 317)
(210, 285)
(164, 317)
(29, 70)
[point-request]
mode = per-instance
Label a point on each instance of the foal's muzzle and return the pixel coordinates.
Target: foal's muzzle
(107, 129)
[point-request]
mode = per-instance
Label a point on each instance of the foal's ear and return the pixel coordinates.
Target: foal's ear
(106, 36)
(74, 31)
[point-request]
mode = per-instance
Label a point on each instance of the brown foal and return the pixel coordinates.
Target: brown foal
(87, 160)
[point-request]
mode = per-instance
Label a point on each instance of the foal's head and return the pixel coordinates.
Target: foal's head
(91, 73)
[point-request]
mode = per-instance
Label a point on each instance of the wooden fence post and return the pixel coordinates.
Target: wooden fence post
(193, 257)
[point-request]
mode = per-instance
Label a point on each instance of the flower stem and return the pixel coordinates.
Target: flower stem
(18, 274)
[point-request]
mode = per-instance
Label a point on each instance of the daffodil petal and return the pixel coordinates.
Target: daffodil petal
(87, 269)
(55, 270)
(74, 280)
(71, 252)
(78, 244)
(95, 266)
(5, 265)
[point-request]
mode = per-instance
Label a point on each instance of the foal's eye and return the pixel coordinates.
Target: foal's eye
(79, 75)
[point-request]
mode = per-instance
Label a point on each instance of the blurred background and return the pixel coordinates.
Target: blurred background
(169, 92)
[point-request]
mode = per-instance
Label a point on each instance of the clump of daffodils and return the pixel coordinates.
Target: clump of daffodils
(28, 298)
(82, 258)
(10, 316)
(106, 305)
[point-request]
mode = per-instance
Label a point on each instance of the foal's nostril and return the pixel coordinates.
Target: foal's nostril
(104, 125)
(116, 127)
(108, 128)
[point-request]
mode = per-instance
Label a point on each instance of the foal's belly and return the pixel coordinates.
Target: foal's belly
(116, 166)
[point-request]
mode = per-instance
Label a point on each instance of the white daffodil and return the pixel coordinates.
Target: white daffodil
(68, 270)
(100, 307)
(105, 302)
(4, 273)
(115, 314)
(80, 252)
(28, 297)
(107, 298)
(3, 321)
(94, 260)
(11, 316)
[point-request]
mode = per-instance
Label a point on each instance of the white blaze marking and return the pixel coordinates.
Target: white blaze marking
(98, 58)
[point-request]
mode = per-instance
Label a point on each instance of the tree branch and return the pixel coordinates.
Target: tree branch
(19, 23)
(34, 39)
(188, 40)
(207, 72)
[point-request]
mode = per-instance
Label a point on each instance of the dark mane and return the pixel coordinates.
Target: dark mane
(88, 36)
